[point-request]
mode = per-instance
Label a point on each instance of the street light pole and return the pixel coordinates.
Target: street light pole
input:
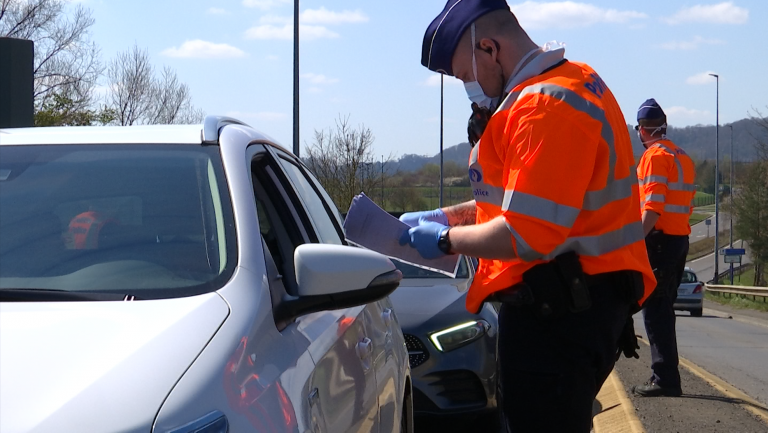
(296, 77)
(382, 181)
(717, 176)
(730, 188)
(441, 141)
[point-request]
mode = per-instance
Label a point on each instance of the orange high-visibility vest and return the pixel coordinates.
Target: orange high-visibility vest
(84, 230)
(666, 175)
(556, 162)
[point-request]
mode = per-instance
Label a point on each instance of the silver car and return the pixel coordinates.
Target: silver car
(186, 279)
(690, 294)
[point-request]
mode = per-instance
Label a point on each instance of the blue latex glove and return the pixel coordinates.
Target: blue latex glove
(414, 219)
(424, 238)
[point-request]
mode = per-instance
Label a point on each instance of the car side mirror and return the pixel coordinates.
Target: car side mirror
(330, 277)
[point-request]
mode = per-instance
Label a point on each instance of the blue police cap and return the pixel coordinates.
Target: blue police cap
(650, 109)
(444, 32)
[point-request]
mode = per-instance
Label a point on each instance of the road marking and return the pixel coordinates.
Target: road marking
(617, 413)
(724, 387)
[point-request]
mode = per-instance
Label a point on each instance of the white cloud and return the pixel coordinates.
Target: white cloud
(690, 45)
(275, 19)
(319, 78)
(264, 4)
(268, 31)
(679, 114)
(434, 80)
(721, 13)
(324, 16)
(568, 14)
(198, 49)
(261, 116)
(701, 78)
(217, 11)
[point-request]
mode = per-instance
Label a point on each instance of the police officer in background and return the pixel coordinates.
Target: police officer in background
(555, 221)
(666, 175)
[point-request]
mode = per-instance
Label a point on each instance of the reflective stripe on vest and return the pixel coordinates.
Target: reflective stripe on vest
(674, 208)
(592, 246)
(541, 208)
(615, 189)
(680, 185)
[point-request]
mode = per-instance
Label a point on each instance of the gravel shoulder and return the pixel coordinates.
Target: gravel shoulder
(700, 409)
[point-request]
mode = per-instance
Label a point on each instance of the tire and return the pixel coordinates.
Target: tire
(697, 312)
(406, 420)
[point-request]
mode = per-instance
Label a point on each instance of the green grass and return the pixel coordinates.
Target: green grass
(737, 301)
(697, 218)
(745, 278)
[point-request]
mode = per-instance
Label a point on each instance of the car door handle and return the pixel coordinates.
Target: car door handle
(364, 348)
(386, 315)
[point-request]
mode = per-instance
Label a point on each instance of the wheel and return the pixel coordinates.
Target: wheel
(406, 420)
(697, 312)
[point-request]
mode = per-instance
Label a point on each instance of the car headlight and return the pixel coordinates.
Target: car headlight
(459, 335)
(214, 422)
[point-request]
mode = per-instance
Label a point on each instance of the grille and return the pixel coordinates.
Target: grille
(417, 353)
(461, 387)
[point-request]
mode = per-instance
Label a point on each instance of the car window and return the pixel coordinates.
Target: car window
(148, 220)
(410, 271)
(279, 223)
(325, 218)
(689, 277)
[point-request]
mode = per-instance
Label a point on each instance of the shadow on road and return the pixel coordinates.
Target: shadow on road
(724, 400)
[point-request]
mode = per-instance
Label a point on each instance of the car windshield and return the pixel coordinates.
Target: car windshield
(410, 271)
(689, 277)
(152, 221)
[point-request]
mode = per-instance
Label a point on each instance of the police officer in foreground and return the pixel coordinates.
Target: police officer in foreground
(666, 175)
(555, 220)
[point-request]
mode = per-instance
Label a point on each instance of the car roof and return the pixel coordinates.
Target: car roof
(143, 134)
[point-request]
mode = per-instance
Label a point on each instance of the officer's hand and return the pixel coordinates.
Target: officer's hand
(628, 341)
(424, 238)
(414, 219)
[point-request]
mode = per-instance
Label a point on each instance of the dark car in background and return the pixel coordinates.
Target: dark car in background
(452, 352)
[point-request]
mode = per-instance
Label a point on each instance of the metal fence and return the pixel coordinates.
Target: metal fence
(744, 291)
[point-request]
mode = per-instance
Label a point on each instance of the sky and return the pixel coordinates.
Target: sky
(361, 59)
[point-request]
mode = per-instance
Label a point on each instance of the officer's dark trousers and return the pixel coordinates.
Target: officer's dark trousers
(552, 370)
(667, 255)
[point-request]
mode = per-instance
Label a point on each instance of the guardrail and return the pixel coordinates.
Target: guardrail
(754, 292)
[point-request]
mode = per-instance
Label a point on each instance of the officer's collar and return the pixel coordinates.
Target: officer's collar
(535, 67)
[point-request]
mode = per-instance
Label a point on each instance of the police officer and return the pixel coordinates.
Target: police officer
(555, 220)
(666, 175)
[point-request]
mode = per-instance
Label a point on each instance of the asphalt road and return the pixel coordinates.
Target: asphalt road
(701, 231)
(704, 267)
(735, 349)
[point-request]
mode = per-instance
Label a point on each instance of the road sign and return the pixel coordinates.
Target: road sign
(708, 222)
(734, 251)
(732, 258)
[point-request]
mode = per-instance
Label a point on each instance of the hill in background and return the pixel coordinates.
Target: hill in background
(698, 141)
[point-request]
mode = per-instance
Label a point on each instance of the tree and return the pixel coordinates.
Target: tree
(344, 162)
(138, 97)
(62, 110)
(66, 60)
(407, 199)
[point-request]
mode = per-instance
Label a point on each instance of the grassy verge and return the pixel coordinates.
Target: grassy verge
(737, 301)
(705, 246)
(745, 278)
(697, 218)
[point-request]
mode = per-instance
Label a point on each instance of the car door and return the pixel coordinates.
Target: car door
(342, 344)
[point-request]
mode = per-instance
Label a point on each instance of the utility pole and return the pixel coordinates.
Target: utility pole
(717, 175)
(296, 77)
(730, 188)
(382, 181)
(441, 141)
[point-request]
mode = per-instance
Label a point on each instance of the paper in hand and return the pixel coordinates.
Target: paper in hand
(372, 227)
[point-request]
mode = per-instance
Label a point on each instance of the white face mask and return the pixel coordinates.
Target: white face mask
(475, 92)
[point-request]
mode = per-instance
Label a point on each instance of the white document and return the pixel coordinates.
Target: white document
(371, 227)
